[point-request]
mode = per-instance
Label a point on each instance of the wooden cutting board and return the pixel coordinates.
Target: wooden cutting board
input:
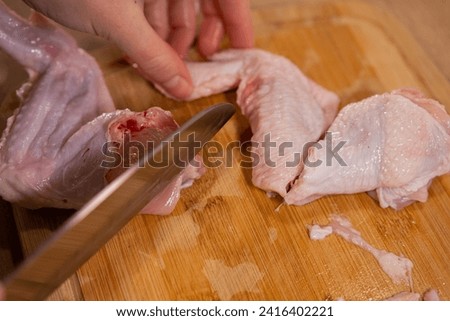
(225, 241)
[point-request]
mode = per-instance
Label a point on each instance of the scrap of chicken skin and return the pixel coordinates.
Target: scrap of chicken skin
(285, 109)
(394, 144)
(52, 148)
(431, 295)
(165, 201)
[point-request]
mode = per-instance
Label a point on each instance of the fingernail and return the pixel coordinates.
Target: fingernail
(178, 86)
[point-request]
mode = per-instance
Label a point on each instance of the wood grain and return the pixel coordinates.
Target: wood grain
(224, 240)
(427, 21)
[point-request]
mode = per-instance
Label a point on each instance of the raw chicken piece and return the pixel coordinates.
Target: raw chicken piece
(398, 268)
(286, 110)
(393, 144)
(52, 148)
(431, 295)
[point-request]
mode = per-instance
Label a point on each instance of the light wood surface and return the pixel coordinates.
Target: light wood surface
(225, 240)
(428, 22)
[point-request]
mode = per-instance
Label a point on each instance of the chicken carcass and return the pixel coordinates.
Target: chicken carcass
(53, 147)
(286, 110)
(393, 144)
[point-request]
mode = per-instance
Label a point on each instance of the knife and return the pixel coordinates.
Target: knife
(102, 217)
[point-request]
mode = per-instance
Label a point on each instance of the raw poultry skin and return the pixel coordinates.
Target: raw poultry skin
(394, 145)
(51, 149)
(286, 110)
(398, 268)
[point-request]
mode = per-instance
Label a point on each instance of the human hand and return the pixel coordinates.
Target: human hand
(156, 34)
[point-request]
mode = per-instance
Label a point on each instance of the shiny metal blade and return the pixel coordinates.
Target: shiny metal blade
(102, 217)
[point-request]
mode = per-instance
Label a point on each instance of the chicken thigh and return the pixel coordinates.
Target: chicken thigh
(393, 144)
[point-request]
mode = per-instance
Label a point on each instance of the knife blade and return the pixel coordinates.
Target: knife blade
(102, 217)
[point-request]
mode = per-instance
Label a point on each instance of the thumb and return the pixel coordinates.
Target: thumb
(156, 60)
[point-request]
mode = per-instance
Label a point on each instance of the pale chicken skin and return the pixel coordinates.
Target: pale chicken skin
(398, 268)
(286, 110)
(52, 149)
(393, 145)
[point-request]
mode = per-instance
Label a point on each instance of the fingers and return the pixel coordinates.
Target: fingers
(140, 27)
(156, 60)
(211, 30)
(182, 23)
(237, 19)
(174, 21)
(156, 13)
(230, 16)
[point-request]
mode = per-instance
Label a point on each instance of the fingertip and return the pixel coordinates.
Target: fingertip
(154, 58)
(178, 87)
(157, 62)
(211, 34)
(182, 25)
(237, 18)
